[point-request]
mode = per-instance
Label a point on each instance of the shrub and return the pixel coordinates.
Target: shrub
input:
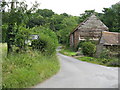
(88, 48)
(79, 45)
(114, 62)
(20, 37)
(105, 53)
(39, 44)
(47, 43)
(104, 61)
(46, 32)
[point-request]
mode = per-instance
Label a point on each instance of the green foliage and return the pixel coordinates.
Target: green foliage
(21, 36)
(89, 59)
(102, 61)
(64, 14)
(69, 24)
(15, 17)
(79, 45)
(39, 44)
(111, 17)
(85, 15)
(88, 48)
(56, 22)
(105, 53)
(68, 52)
(114, 62)
(4, 30)
(47, 42)
(44, 45)
(28, 69)
(47, 32)
(36, 21)
(45, 12)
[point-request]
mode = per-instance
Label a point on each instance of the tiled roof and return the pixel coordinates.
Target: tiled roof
(110, 38)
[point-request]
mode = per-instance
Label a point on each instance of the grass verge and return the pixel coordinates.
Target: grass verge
(27, 69)
(67, 52)
(113, 62)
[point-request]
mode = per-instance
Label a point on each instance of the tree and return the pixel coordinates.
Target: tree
(111, 17)
(16, 16)
(36, 21)
(56, 22)
(64, 14)
(69, 24)
(45, 12)
(86, 14)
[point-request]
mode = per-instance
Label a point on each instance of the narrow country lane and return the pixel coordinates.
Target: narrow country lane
(79, 74)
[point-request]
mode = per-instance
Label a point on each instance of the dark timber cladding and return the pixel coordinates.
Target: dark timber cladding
(90, 28)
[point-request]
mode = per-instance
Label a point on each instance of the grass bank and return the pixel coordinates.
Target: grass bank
(113, 62)
(27, 69)
(67, 52)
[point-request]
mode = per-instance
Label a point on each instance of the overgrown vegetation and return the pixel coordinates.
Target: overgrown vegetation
(27, 69)
(88, 48)
(87, 53)
(111, 17)
(47, 42)
(68, 52)
(102, 61)
(26, 65)
(61, 24)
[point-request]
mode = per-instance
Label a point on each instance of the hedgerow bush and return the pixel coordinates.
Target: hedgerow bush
(39, 44)
(105, 53)
(47, 32)
(114, 62)
(79, 45)
(88, 48)
(21, 36)
(47, 43)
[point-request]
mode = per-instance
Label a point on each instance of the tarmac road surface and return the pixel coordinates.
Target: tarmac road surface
(79, 74)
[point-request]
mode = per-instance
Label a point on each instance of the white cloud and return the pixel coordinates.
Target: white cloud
(74, 7)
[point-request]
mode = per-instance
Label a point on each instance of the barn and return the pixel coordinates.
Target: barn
(90, 28)
(110, 39)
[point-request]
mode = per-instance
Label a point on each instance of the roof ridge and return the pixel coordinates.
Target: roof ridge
(111, 32)
(85, 21)
(81, 23)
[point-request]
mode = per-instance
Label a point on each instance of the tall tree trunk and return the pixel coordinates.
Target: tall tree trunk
(9, 48)
(9, 31)
(9, 38)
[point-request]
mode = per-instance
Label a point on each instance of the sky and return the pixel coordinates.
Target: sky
(73, 7)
